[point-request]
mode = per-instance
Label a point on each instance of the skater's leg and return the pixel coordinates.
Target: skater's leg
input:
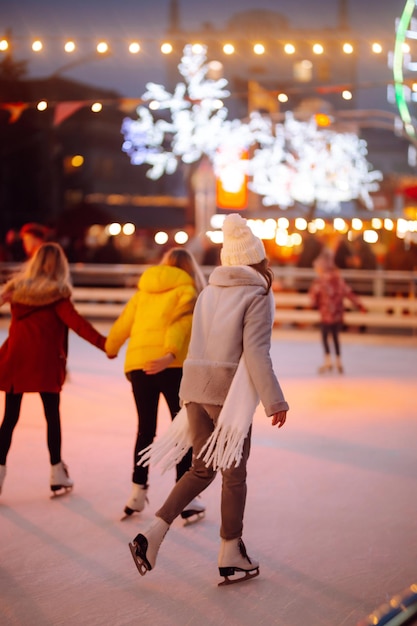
(51, 403)
(11, 416)
(233, 499)
(201, 420)
(336, 340)
(170, 386)
(146, 392)
(325, 331)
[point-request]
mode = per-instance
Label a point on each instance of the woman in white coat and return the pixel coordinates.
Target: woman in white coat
(227, 370)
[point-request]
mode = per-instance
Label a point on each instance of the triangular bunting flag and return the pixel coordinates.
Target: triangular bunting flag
(63, 110)
(15, 109)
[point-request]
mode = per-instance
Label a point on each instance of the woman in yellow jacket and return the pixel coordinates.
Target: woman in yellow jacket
(156, 322)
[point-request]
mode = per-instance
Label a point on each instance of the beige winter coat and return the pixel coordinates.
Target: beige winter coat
(232, 315)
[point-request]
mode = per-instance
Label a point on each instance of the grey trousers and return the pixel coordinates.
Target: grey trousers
(202, 419)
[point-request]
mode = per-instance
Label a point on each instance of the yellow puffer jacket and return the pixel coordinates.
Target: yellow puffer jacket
(157, 319)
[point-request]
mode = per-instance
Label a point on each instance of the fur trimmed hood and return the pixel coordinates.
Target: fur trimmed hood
(36, 293)
(231, 276)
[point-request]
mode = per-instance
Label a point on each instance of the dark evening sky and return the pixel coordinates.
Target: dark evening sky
(120, 20)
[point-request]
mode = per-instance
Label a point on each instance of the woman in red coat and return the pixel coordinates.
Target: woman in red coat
(33, 357)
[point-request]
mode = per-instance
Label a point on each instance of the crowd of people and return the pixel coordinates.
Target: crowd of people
(200, 346)
(204, 347)
(395, 254)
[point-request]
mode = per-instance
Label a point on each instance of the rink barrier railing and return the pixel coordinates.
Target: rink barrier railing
(101, 291)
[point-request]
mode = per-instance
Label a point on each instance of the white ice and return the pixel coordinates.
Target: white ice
(331, 511)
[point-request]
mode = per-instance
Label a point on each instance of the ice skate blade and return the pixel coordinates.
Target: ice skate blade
(138, 549)
(58, 491)
(192, 517)
(229, 571)
(127, 513)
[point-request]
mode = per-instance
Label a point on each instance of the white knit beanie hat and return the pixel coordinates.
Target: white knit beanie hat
(240, 246)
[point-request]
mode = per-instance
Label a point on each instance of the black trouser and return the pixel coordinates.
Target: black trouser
(147, 389)
(332, 330)
(11, 417)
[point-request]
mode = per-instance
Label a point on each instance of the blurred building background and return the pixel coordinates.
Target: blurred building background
(62, 164)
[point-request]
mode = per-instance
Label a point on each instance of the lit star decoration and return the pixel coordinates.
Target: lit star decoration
(292, 161)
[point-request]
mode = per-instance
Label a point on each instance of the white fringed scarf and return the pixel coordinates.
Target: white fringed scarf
(225, 445)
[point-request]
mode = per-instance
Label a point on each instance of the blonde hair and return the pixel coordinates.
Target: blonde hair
(184, 260)
(49, 263)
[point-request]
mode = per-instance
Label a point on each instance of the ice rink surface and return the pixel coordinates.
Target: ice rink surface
(331, 512)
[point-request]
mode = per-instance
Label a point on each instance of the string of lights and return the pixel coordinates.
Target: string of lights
(229, 46)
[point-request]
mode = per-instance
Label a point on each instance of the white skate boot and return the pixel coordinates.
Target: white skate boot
(137, 500)
(2, 475)
(60, 481)
(233, 558)
(193, 512)
(145, 546)
(327, 365)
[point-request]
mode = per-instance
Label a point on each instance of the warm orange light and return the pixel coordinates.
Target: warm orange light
(232, 188)
(228, 48)
(259, 48)
(102, 47)
(69, 46)
(322, 119)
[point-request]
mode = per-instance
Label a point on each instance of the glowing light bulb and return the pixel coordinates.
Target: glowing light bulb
(102, 47)
(134, 47)
(259, 48)
(161, 238)
(37, 46)
(128, 229)
(69, 46)
(289, 48)
(228, 48)
(318, 48)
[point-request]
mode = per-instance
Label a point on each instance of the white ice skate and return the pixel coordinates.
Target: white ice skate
(193, 512)
(233, 559)
(137, 500)
(144, 547)
(61, 483)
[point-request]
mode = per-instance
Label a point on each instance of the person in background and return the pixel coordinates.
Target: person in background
(227, 369)
(33, 236)
(156, 322)
(33, 357)
(327, 293)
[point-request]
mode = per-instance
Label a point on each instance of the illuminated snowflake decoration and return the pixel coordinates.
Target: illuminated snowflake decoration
(287, 162)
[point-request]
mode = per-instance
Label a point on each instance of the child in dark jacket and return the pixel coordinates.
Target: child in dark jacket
(33, 357)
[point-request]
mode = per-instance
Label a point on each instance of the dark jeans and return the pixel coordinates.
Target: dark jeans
(147, 389)
(333, 330)
(11, 417)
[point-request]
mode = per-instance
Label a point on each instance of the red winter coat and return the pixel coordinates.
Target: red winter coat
(33, 358)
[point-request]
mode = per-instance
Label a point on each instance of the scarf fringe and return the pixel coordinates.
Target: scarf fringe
(171, 447)
(223, 448)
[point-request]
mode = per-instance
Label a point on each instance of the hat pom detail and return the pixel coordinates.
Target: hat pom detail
(240, 245)
(234, 226)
